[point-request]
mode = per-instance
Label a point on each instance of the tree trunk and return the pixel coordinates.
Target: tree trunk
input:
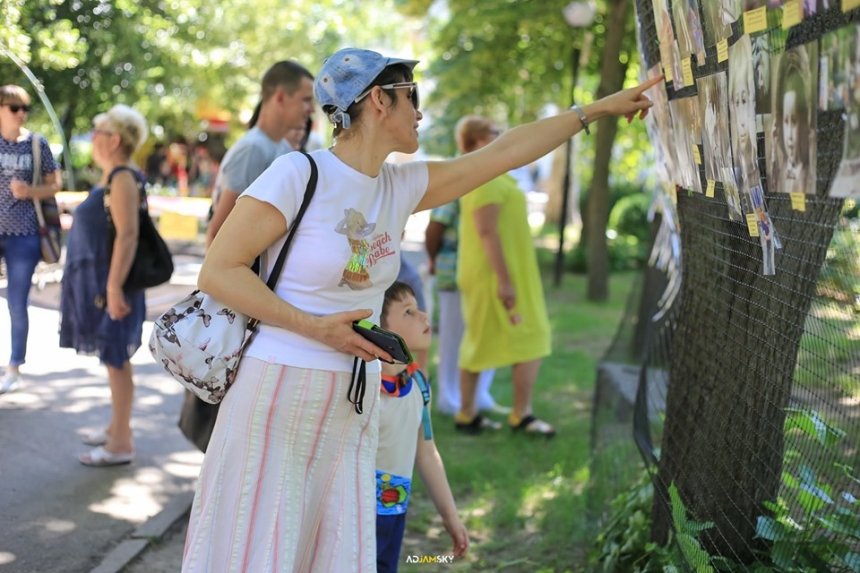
(733, 357)
(612, 72)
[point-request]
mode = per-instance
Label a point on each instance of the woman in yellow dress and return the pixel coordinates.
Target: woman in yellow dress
(503, 303)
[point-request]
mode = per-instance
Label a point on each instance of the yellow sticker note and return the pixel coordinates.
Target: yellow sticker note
(752, 225)
(798, 201)
(755, 20)
(850, 5)
(790, 14)
(709, 191)
(687, 70)
(722, 50)
(697, 157)
(667, 73)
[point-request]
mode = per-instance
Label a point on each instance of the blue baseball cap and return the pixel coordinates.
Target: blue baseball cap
(345, 75)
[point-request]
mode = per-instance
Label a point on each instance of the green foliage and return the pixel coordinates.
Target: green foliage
(167, 57)
(623, 544)
(629, 216)
(810, 528)
(840, 274)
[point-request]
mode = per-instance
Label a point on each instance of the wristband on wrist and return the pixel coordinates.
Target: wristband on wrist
(582, 118)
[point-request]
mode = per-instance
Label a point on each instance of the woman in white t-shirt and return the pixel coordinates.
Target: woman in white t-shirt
(288, 479)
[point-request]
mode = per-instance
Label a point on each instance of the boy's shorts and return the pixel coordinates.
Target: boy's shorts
(389, 538)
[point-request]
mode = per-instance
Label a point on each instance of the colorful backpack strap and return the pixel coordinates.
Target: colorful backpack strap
(421, 380)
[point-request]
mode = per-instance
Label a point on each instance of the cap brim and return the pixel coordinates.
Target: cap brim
(410, 63)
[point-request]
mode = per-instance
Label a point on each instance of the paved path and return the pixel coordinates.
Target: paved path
(59, 516)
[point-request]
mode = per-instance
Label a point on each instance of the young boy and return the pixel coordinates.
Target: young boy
(406, 438)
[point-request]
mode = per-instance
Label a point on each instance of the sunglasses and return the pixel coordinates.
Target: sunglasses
(16, 107)
(411, 86)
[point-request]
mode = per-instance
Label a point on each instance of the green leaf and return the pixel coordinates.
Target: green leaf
(782, 554)
(812, 498)
(853, 561)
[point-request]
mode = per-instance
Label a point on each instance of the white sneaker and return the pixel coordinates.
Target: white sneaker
(11, 381)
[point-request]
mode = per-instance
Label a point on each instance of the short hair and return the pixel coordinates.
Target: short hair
(470, 130)
(127, 123)
(13, 94)
(395, 293)
(392, 74)
(287, 75)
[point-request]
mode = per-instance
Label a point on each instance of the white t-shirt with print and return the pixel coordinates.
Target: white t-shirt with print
(345, 253)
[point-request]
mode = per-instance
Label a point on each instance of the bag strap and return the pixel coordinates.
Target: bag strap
(423, 385)
(37, 178)
(282, 256)
(136, 174)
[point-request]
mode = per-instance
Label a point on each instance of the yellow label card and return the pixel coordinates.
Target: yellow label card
(709, 192)
(798, 201)
(697, 157)
(790, 14)
(722, 50)
(752, 225)
(755, 20)
(850, 5)
(687, 70)
(667, 73)
(674, 195)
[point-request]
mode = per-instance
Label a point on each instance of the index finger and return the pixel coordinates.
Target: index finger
(645, 86)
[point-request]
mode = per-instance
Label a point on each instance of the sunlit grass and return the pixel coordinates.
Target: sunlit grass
(522, 498)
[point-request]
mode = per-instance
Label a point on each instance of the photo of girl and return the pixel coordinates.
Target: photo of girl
(794, 121)
(742, 105)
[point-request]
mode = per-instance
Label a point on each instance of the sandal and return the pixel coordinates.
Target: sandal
(533, 427)
(97, 438)
(99, 457)
(476, 425)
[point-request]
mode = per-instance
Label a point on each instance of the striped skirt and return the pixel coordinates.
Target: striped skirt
(287, 483)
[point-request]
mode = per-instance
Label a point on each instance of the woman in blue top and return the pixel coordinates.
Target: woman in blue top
(100, 317)
(19, 228)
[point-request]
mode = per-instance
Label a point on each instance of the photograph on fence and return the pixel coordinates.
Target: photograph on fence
(743, 125)
(793, 156)
(659, 125)
(847, 180)
(688, 29)
(688, 133)
(713, 103)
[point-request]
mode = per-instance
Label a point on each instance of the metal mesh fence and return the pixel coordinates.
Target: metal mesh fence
(737, 365)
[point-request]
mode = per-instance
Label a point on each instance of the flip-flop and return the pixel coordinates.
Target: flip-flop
(97, 438)
(477, 425)
(99, 457)
(533, 427)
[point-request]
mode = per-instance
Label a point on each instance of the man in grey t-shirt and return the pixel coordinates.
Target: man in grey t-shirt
(287, 102)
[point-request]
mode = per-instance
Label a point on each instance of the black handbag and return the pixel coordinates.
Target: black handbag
(153, 263)
(197, 420)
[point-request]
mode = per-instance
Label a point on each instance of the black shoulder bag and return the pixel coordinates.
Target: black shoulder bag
(153, 263)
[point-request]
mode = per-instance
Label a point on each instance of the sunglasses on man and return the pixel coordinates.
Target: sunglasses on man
(16, 107)
(411, 86)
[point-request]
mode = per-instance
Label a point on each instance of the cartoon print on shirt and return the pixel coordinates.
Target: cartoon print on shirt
(356, 228)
